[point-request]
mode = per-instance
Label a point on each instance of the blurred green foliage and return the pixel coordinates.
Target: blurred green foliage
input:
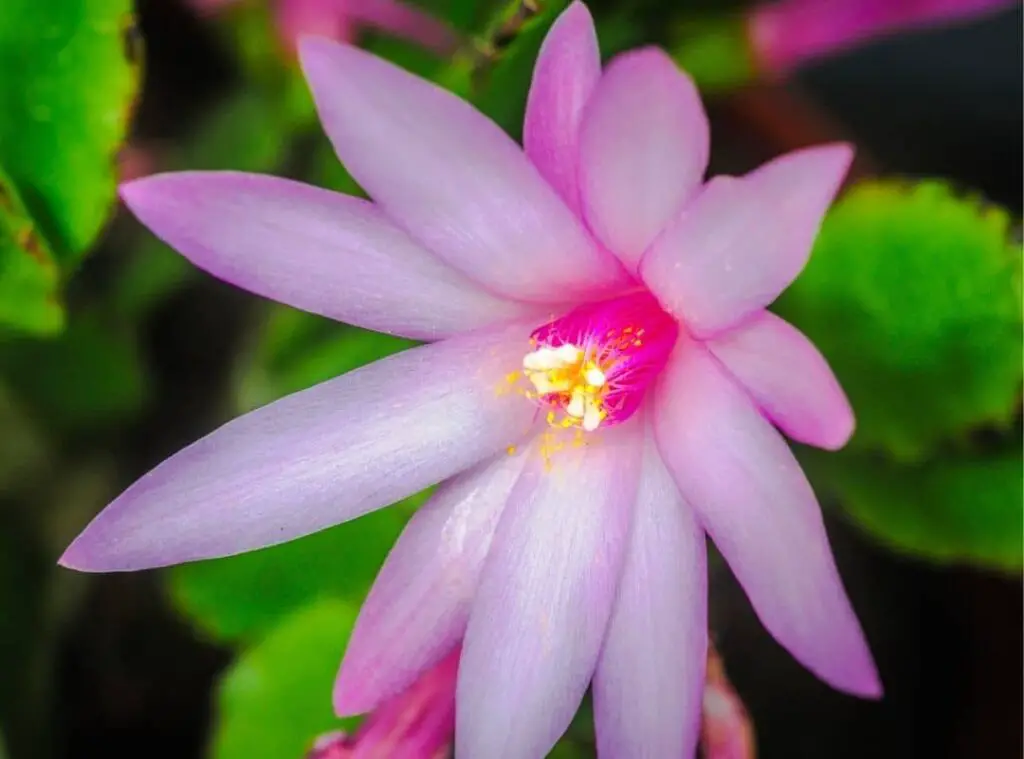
(63, 118)
(914, 295)
(276, 697)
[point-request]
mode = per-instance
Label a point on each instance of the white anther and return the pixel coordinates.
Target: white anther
(577, 406)
(568, 354)
(595, 377)
(592, 417)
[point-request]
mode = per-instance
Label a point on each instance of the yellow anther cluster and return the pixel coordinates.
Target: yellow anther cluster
(577, 381)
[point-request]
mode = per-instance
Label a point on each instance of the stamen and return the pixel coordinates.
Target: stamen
(590, 368)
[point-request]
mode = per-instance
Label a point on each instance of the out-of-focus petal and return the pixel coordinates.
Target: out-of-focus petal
(544, 599)
(419, 605)
(323, 18)
(319, 457)
(739, 475)
(568, 67)
(650, 677)
(789, 379)
(643, 150)
(785, 34)
(403, 20)
(741, 242)
(321, 251)
(452, 178)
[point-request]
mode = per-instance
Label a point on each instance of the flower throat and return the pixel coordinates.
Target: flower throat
(591, 367)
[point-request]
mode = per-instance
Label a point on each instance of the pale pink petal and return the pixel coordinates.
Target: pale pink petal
(788, 378)
(321, 251)
(741, 242)
(567, 70)
(418, 606)
(452, 178)
(643, 150)
(650, 678)
(738, 473)
(319, 457)
(403, 20)
(545, 596)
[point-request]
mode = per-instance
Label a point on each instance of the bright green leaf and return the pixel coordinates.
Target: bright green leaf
(967, 509)
(241, 597)
(28, 273)
(67, 84)
(276, 698)
(913, 294)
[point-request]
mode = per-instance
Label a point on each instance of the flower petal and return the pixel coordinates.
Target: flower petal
(741, 242)
(321, 251)
(419, 605)
(452, 178)
(788, 378)
(568, 68)
(643, 150)
(319, 457)
(545, 596)
(650, 678)
(751, 496)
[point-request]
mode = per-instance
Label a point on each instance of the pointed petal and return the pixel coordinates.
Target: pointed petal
(313, 249)
(451, 177)
(788, 378)
(568, 68)
(741, 242)
(545, 595)
(643, 150)
(751, 496)
(650, 678)
(316, 458)
(419, 605)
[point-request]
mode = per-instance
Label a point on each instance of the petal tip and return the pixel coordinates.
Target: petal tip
(348, 699)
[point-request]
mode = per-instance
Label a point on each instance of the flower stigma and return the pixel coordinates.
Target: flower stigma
(591, 368)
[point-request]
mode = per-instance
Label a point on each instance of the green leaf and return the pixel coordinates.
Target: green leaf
(242, 597)
(957, 508)
(91, 375)
(29, 275)
(277, 697)
(913, 295)
(67, 84)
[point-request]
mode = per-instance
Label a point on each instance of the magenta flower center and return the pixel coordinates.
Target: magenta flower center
(592, 366)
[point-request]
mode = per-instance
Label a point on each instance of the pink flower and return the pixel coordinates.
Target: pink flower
(341, 20)
(788, 33)
(604, 387)
(416, 724)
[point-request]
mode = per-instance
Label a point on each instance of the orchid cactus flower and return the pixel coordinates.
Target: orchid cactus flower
(342, 19)
(602, 386)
